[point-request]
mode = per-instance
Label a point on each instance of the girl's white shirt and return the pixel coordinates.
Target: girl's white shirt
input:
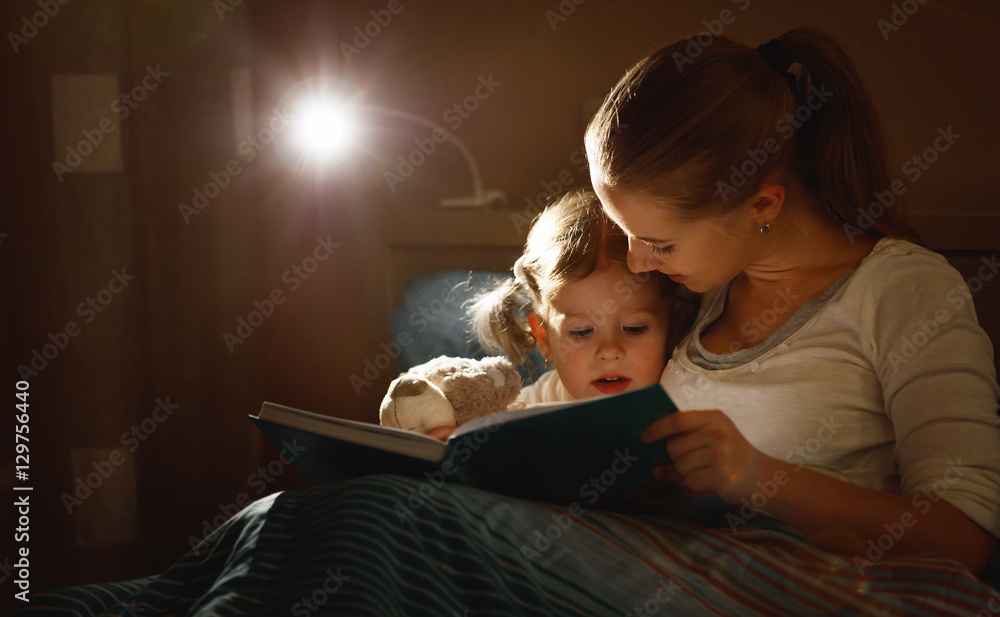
(546, 389)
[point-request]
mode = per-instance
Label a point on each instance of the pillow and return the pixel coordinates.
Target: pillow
(433, 315)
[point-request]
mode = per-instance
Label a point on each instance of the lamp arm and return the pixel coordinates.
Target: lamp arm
(477, 183)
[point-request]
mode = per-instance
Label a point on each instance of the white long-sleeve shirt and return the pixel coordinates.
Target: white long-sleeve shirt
(891, 382)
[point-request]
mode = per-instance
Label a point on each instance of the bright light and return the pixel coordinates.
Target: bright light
(323, 128)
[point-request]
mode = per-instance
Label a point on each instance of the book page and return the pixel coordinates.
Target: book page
(365, 433)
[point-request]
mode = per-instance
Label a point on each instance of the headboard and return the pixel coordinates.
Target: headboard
(427, 241)
(981, 271)
(971, 243)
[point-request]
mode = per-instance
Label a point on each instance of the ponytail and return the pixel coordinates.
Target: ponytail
(846, 161)
(499, 321)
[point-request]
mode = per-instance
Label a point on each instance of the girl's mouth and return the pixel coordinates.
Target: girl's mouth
(611, 383)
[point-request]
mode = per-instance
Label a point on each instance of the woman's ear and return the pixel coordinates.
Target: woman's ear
(767, 206)
(540, 333)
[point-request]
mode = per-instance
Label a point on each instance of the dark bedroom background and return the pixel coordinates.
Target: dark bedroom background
(119, 283)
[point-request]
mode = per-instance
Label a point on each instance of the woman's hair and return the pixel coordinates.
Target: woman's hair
(705, 133)
(571, 239)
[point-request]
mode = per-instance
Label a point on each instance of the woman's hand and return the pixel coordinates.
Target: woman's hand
(442, 432)
(709, 452)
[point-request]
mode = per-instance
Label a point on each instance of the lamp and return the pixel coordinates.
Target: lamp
(323, 128)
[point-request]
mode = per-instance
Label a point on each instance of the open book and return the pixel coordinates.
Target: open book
(568, 452)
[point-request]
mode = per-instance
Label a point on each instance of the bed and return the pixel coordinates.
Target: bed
(347, 549)
(341, 549)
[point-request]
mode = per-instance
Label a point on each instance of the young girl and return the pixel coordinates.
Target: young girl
(826, 337)
(605, 329)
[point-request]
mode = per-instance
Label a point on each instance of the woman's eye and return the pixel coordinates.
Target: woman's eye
(666, 250)
(636, 329)
(583, 333)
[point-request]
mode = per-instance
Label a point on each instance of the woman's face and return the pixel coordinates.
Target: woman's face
(700, 254)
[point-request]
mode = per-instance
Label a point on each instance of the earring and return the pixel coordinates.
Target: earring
(548, 363)
(766, 228)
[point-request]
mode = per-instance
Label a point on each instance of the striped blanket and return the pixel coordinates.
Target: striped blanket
(387, 545)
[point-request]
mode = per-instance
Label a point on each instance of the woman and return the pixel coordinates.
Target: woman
(826, 337)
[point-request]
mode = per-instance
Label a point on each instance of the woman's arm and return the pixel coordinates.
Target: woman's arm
(861, 522)
(712, 455)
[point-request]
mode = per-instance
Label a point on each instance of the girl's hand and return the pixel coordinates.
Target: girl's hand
(709, 452)
(442, 432)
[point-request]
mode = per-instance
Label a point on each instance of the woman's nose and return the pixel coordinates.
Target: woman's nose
(640, 257)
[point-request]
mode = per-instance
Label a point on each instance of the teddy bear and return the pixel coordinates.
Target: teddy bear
(449, 391)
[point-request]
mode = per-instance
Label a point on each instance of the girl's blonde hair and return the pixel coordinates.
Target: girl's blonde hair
(687, 130)
(568, 241)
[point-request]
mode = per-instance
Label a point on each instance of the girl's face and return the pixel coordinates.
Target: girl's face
(698, 254)
(606, 333)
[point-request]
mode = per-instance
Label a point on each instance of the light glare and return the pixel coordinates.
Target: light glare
(323, 128)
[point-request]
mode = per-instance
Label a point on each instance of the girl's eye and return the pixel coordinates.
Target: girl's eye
(584, 333)
(666, 250)
(636, 329)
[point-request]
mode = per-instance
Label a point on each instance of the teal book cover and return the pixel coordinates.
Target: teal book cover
(577, 452)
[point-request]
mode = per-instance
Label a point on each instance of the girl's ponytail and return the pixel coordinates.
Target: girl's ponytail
(498, 319)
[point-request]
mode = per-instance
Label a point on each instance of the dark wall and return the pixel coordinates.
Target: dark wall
(113, 304)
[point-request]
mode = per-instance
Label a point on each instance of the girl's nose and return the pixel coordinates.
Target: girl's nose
(611, 349)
